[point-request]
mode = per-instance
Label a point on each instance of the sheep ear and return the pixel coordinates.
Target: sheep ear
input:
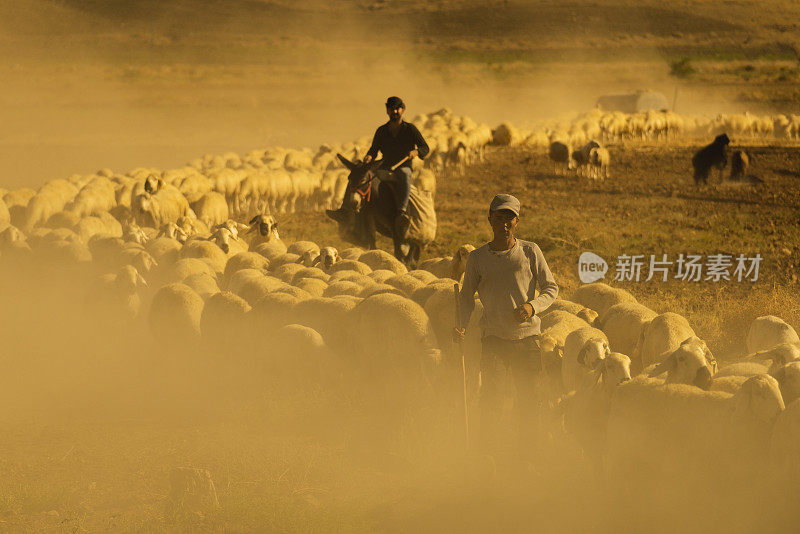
(346, 162)
(710, 358)
(253, 220)
(316, 260)
(141, 281)
(668, 364)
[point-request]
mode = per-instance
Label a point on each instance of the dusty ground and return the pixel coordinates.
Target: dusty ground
(92, 425)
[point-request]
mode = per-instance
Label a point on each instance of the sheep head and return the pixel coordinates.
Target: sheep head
(588, 315)
(222, 237)
(328, 257)
(153, 183)
(592, 352)
(780, 354)
(614, 369)
(173, 231)
(309, 258)
(266, 225)
(691, 363)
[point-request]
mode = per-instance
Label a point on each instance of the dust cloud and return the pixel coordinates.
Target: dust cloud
(98, 412)
(122, 86)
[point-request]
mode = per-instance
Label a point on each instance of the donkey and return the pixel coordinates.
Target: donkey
(370, 205)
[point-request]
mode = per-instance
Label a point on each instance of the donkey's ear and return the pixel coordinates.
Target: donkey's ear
(347, 163)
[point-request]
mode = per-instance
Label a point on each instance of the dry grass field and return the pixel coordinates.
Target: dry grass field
(94, 420)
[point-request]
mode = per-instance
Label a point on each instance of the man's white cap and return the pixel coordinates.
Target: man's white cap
(505, 202)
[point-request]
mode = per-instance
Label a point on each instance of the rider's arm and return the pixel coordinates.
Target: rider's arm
(372, 153)
(422, 146)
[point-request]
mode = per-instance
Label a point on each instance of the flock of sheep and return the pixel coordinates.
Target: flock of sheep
(196, 253)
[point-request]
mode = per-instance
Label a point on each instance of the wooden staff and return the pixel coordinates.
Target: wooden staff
(399, 163)
(460, 345)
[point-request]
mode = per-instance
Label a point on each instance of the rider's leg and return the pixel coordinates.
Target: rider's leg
(402, 191)
(402, 188)
(340, 214)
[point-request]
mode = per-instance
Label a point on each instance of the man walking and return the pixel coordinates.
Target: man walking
(506, 273)
(396, 140)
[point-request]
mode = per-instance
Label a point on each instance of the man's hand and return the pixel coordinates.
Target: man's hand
(524, 312)
(413, 154)
(459, 334)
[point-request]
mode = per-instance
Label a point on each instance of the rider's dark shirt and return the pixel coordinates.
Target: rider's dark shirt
(396, 148)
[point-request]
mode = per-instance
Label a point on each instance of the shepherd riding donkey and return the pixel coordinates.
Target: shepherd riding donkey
(399, 211)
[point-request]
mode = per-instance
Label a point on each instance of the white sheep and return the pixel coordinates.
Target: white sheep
(380, 259)
(587, 314)
(351, 253)
(211, 208)
(206, 251)
(600, 297)
(270, 250)
(157, 209)
(115, 297)
(270, 313)
(779, 355)
(767, 331)
(623, 324)
(174, 317)
(586, 410)
(252, 285)
(164, 250)
(329, 317)
(582, 350)
(352, 265)
(680, 433)
(300, 358)
(451, 267)
(222, 324)
(662, 333)
(313, 286)
(203, 284)
(243, 260)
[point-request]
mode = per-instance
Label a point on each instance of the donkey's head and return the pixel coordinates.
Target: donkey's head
(361, 174)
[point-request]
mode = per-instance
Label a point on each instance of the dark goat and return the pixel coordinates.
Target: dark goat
(712, 155)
